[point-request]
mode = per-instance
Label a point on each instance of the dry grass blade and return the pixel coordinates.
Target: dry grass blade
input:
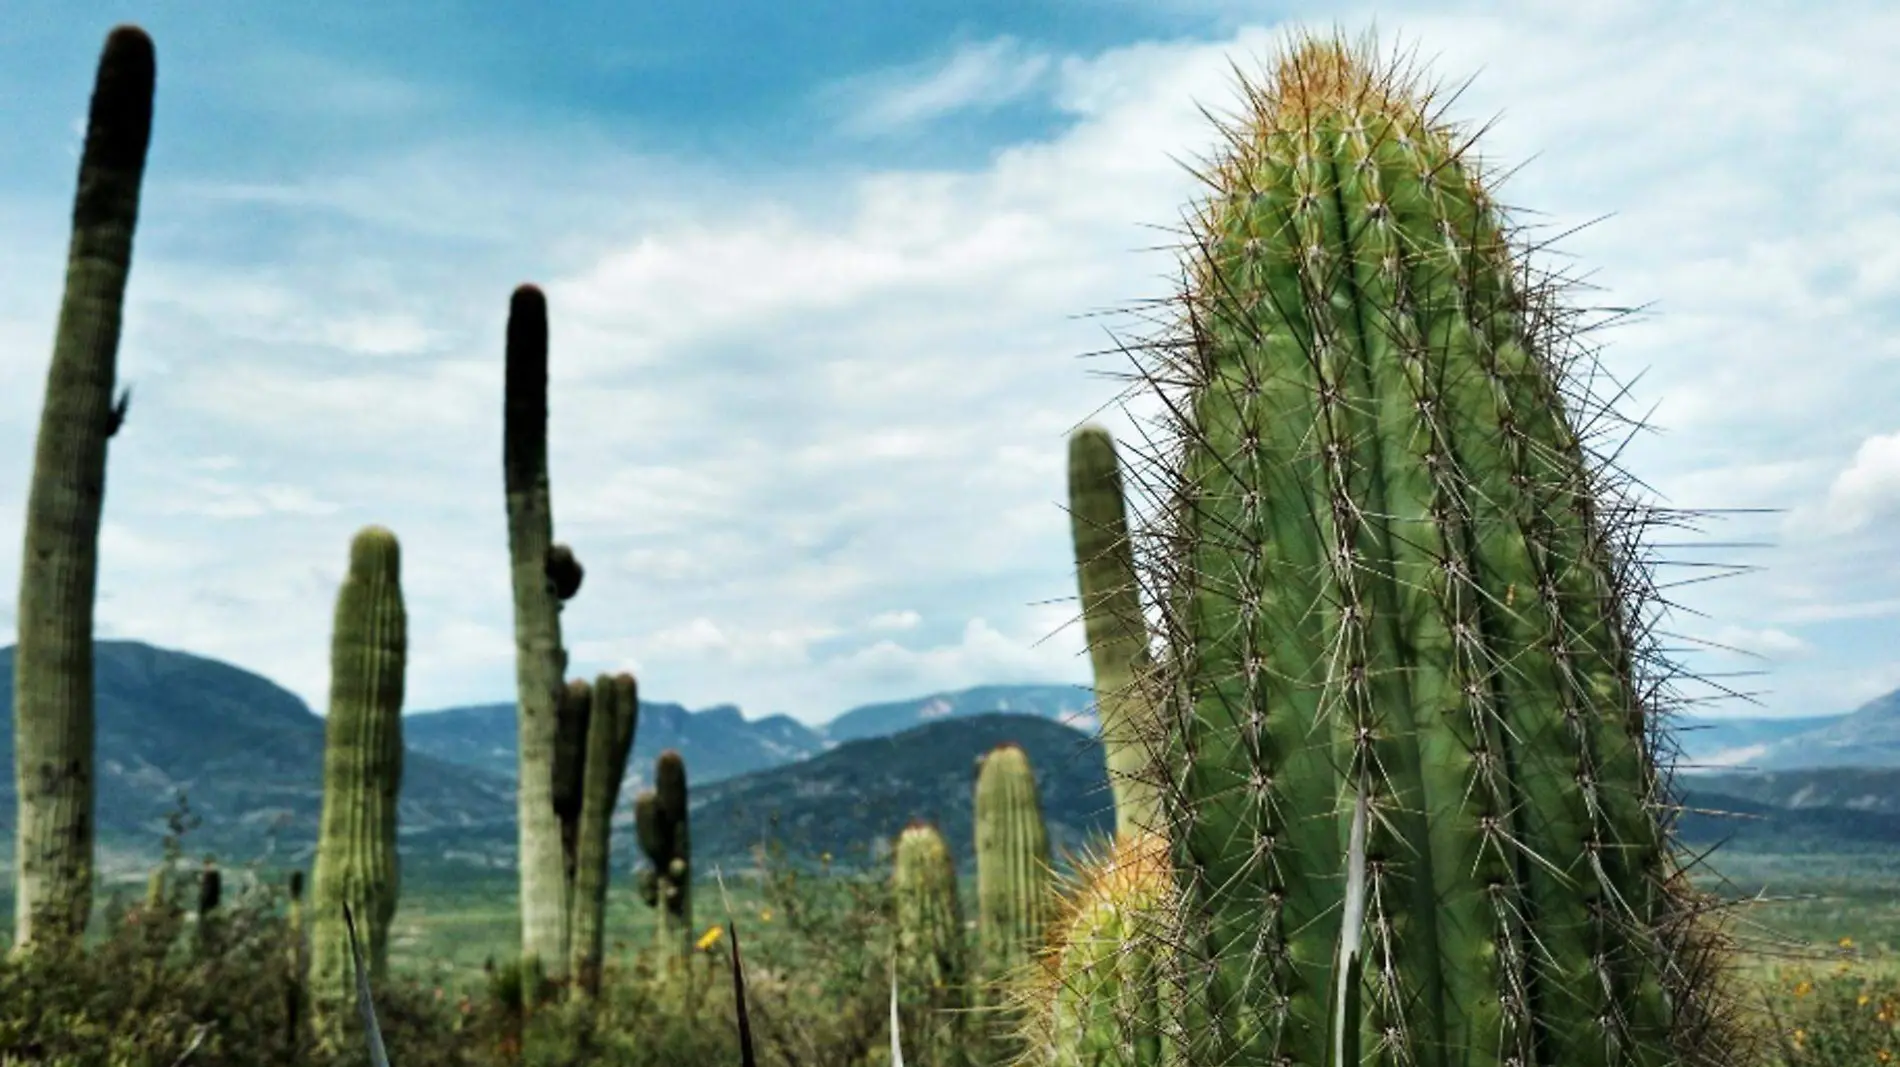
(746, 1057)
(897, 1043)
(372, 1033)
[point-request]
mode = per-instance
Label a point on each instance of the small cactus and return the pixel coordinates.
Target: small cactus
(1012, 878)
(356, 862)
(1097, 999)
(660, 820)
(931, 957)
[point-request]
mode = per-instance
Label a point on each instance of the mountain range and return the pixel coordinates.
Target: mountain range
(247, 755)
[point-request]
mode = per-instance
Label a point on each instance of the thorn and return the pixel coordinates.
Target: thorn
(116, 418)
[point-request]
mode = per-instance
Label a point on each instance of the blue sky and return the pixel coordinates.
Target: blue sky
(815, 276)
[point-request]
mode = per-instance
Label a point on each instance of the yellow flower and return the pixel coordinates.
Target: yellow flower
(765, 916)
(711, 937)
(1863, 1000)
(1847, 942)
(1883, 1055)
(1803, 989)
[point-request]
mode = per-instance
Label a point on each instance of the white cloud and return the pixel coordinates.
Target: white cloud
(895, 620)
(1868, 489)
(975, 76)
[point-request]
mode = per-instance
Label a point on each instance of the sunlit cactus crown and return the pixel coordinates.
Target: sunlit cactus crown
(1405, 733)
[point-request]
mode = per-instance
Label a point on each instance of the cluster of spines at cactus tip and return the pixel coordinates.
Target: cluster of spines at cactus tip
(1405, 693)
(1098, 994)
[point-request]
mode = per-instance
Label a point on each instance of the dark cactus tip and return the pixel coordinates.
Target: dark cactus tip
(119, 126)
(296, 885)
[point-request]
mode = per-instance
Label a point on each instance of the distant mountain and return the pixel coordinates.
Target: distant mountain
(718, 742)
(1071, 704)
(1868, 736)
(1714, 742)
(852, 800)
(247, 753)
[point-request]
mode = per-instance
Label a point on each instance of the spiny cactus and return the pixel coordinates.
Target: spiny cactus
(1012, 879)
(659, 818)
(1097, 998)
(610, 731)
(540, 660)
(1112, 621)
(356, 862)
(52, 680)
(931, 958)
(1414, 801)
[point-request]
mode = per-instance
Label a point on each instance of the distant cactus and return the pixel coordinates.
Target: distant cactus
(1414, 805)
(1012, 880)
(1112, 621)
(569, 790)
(540, 660)
(356, 860)
(610, 732)
(931, 956)
(52, 681)
(296, 965)
(1098, 997)
(210, 895)
(660, 819)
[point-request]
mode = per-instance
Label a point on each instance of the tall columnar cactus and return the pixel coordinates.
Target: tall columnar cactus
(1112, 622)
(610, 731)
(1415, 805)
(1097, 1000)
(52, 681)
(1012, 877)
(296, 965)
(544, 574)
(659, 818)
(356, 860)
(931, 957)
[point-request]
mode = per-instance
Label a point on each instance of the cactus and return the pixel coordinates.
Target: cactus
(1012, 877)
(610, 731)
(568, 790)
(930, 955)
(1097, 998)
(210, 895)
(52, 681)
(296, 965)
(540, 660)
(1413, 801)
(356, 862)
(1117, 634)
(659, 818)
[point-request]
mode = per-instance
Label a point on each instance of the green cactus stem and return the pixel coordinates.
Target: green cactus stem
(1012, 879)
(540, 660)
(356, 860)
(52, 681)
(660, 822)
(610, 733)
(1414, 806)
(1097, 999)
(931, 957)
(1112, 622)
(570, 762)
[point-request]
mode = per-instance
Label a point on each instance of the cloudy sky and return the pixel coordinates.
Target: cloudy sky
(819, 278)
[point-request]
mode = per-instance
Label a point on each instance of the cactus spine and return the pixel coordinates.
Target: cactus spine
(1012, 873)
(52, 683)
(1112, 622)
(1097, 1000)
(610, 731)
(1414, 801)
(659, 819)
(537, 566)
(931, 961)
(356, 860)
